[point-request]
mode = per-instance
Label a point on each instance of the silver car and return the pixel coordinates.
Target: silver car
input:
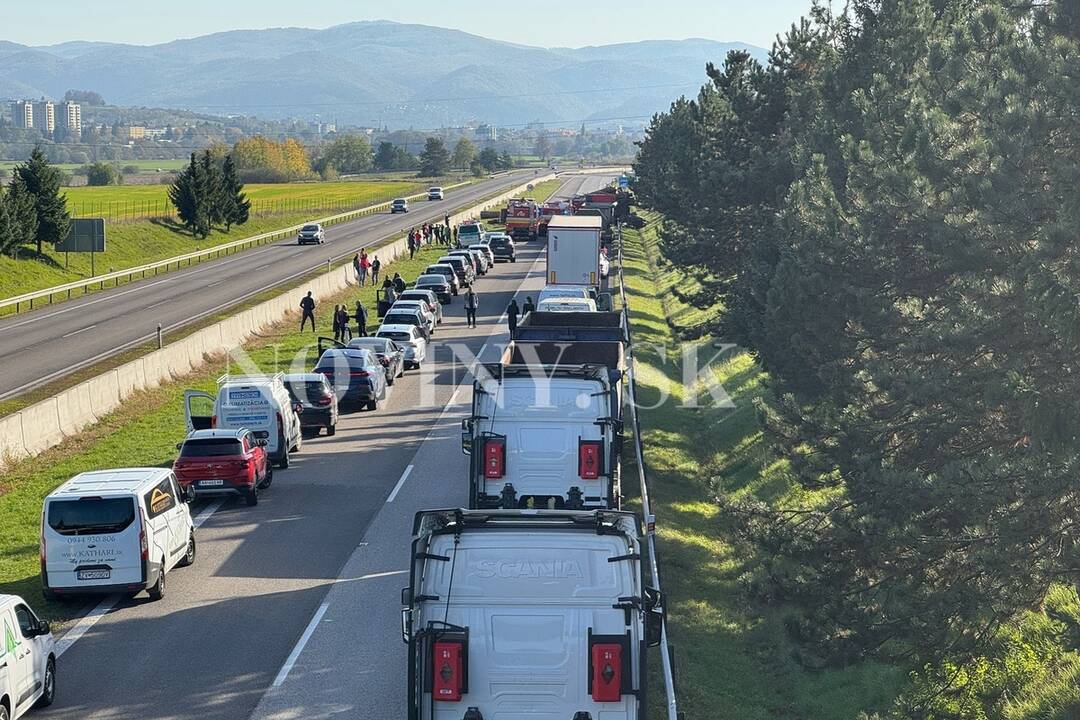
(312, 233)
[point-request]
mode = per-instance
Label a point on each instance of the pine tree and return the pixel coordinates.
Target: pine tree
(188, 195)
(435, 159)
(235, 205)
(43, 181)
(213, 189)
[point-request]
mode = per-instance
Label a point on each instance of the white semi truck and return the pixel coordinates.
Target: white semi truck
(573, 250)
(528, 614)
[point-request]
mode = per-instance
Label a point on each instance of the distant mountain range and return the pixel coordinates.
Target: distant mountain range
(372, 73)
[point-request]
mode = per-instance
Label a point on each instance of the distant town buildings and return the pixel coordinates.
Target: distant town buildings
(22, 114)
(487, 132)
(136, 132)
(43, 116)
(72, 117)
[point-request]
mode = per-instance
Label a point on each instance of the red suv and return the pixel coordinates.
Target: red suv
(224, 462)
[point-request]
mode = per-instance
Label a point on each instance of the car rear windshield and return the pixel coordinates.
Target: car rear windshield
(400, 319)
(499, 242)
(399, 336)
(211, 447)
(307, 390)
(91, 515)
(333, 362)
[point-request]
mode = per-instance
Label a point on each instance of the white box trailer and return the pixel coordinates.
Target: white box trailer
(573, 250)
(528, 614)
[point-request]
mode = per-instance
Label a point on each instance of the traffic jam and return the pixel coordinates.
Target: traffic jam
(532, 601)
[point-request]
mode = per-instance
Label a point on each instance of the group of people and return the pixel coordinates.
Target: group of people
(513, 311)
(392, 287)
(342, 331)
(363, 265)
(427, 234)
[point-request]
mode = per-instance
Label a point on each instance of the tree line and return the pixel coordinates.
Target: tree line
(889, 209)
(209, 192)
(33, 211)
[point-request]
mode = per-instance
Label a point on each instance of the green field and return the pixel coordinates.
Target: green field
(146, 166)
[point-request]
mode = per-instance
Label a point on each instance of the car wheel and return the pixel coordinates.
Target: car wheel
(268, 478)
(49, 595)
(189, 555)
(48, 690)
(158, 590)
(373, 404)
(252, 496)
(283, 463)
(390, 379)
(331, 430)
(299, 442)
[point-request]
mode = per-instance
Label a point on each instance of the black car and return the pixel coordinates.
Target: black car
(318, 403)
(436, 284)
(470, 258)
(463, 268)
(503, 249)
(390, 356)
(447, 271)
(356, 375)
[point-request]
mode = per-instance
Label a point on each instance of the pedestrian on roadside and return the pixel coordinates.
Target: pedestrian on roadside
(472, 302)
(361, 318)
(399, 283)
(307, 307)
(375, 267)
(455, 236)
(365, 265)
(346, 331)
(356, 267)
(391, 296)
(412, 245)
(512, 316)
(387, 283)
(446, 221)
(528, 307)
(337, 323)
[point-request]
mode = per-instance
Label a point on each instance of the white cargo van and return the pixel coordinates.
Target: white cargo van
(27, 659)
(111, 531)
(573, 250)
(260, 403)
(539, 614)
(544, 436)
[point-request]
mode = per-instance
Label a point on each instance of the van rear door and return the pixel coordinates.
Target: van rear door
(251, 407)
(198, 410)
(92, 541)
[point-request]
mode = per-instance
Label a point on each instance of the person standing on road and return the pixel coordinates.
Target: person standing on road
(512, 316)
(472, 302)
(375, 267)
(307, 307)
(365, 264)
(356, 266)
(361, 316)
(399, 283)
(528, 307)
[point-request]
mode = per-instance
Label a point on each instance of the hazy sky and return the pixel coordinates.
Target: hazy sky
(551, 23)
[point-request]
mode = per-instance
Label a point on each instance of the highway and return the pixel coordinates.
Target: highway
(49, 342)
(291, 609)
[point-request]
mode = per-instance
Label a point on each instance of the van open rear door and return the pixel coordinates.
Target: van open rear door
(198, 410)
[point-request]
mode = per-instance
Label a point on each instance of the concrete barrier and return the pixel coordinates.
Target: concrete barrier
(75, 410)
(11, 438)
(45, 424)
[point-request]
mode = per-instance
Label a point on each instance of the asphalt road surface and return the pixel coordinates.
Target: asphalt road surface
(50, 342)
(292, 608)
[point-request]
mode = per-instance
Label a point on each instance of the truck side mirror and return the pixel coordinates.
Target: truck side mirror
(655, 616)
(406, 625)
(466, 443)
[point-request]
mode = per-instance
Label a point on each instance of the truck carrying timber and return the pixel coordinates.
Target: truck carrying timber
(528, 614)
(573, 252)
(544, 436)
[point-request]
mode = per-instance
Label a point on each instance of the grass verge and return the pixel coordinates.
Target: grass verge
(732, 657)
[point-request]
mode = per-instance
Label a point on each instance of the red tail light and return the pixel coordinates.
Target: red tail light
(213, 421)
(589, 459)
(447, 683)
(144, 548)
(494, 458)
(360, 373)
(324, 400)
(606, 672)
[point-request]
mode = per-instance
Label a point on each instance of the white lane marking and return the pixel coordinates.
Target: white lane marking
(151, 307)
(453, 398)
(76, 332)
(295, 654)
(109, 602)
(400, 482)
(88, 621)
(388, 573)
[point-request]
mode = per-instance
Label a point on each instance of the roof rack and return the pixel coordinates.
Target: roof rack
(227, 378)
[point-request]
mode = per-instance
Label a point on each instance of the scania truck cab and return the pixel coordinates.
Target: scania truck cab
(544, 436)
(528, 614)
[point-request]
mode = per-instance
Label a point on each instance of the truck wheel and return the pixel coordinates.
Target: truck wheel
(158, 590)
(189, 555)
(331, 430)
(48, 689)
(252, 496)
(283, 463)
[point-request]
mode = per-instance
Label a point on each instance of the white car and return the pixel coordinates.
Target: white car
(311, 233)
(486, 249)
(435, 193)
(564, 291)
(566, 304)
(422, 307)
(408, 337)
(27, 659)
(427, 296)
(115, 531)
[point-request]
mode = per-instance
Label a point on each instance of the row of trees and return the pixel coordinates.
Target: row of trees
(209, 192)
(890, 207)
(32, 209)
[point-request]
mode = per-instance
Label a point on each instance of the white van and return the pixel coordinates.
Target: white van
(27, 659)
(260, 403)
(514, 614)
(115, 531)
(544, 436)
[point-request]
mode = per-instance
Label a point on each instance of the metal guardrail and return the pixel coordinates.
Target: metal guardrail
(197, 256)
(646, 504)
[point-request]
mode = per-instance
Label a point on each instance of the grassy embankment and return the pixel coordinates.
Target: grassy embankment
(130, 244)
(732, 656)
(144, 432)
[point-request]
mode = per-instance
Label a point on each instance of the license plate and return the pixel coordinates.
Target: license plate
(94, 574)
(211, 483)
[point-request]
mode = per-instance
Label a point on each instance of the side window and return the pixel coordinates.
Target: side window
(161, 499)
(27, 620)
